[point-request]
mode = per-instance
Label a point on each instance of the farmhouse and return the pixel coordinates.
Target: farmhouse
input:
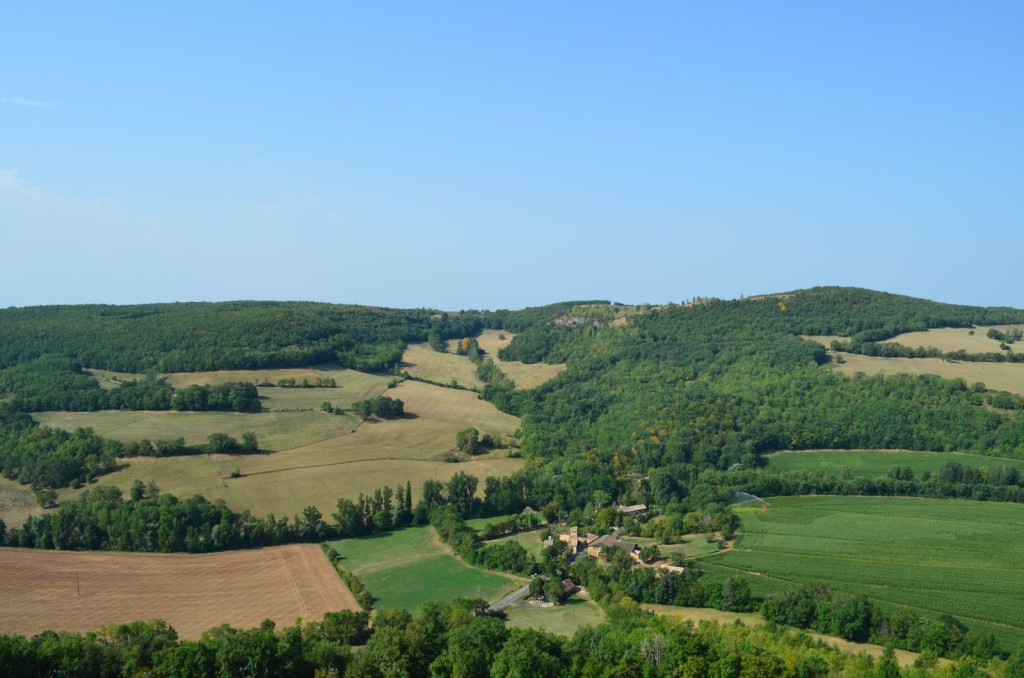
(573, 539)
(634, 510)
(594, 547)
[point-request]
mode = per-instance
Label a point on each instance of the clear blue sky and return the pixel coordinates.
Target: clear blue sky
(488, 155)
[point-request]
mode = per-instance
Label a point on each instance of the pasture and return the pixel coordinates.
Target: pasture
(565, 620)
(408, 567)
(72, 591)
(17, 503)
(875, 463)
(927, 555)
(996, 376)
(420, 360)
(314, 458)
(525, 376)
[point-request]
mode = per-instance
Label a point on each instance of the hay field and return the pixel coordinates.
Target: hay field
(317, 457)
(931, 556)
(411, 566)
(420, 360)
(950, 339)
(276, 430)
(17, 503)
(565, 620)
(875, 463)
(996, 376)
(525, 376)
(192, 593)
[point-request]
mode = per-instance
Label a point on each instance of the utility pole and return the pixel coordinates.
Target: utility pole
(78, 583)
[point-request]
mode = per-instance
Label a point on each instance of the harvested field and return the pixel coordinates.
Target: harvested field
(316, 457)
(950, 339)
(191, 593)
(525, 376)
(996, 376)
(420, 360)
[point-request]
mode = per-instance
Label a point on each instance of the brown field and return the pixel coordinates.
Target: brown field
(525, 376)
(955, 338)
(316, 457)
(17, 503)
(420, 360)
(192, 593)
(699, 614)
(996, 376)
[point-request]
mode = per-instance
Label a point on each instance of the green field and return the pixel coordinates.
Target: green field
(409, 567)
(564, 620)
(875, 463)
(932, 556)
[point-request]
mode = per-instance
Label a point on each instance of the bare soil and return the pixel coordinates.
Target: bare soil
(82, 591)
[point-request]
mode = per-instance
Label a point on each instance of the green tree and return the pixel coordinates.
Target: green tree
(530, 654)
(468, 440)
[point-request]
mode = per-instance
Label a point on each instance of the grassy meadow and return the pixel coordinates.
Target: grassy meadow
(313, 457)
(875, 463)
(996, 376)
(17, 502)
(927, 555)
(565, 620)
(409, 567)
(525, 376)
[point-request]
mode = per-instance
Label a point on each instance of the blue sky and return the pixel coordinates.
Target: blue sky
(501, 155)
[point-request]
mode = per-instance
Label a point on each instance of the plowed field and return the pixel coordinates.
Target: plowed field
(68, 591)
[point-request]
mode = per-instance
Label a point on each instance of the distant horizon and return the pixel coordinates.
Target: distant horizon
(453, 309)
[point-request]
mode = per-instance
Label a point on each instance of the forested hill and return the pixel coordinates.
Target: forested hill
(680, 389)
(185, 337)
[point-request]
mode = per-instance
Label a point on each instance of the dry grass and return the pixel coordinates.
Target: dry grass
(997, 376)
(420, 360)
(950, 339)
(275, 430)
(191, 593)
(525, 376)
(17, 503)
(317, 457)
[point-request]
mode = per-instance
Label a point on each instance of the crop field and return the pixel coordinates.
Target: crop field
(578, 611)
(71, 591)
(409, 567)
(996, 376)
(17, 503)
(875, 463)
(315, 457)
(525, 376)
(420, 360)
(927, 555)
(955, 338)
